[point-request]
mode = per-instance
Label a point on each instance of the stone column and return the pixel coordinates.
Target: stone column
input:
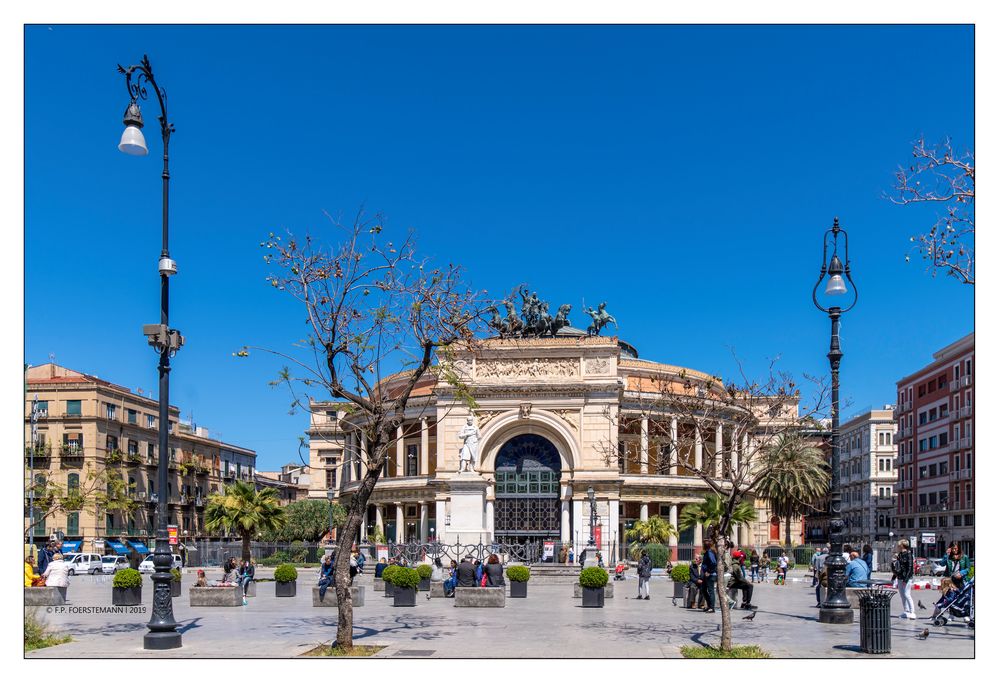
(400, 453)
(424, 448)
(579, 536)
(745, 448)
(364, 523)
(643, 513)
(490, 517)
(424, 523)
(698, 448)
(348, 450)
(719, 447)
(674, 437)
(734, 464)
(380, 518)
(362, 461)
(643, 456)
(400, 523)
(674, 541)
(698, 536)
(613, 529)
(441, 521)
(566, 530)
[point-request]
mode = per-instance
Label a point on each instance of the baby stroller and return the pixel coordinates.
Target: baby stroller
(619, 571)
(958, 604)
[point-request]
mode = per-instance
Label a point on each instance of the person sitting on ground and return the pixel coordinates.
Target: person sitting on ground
(856, 571)
(246, 572)
(57, 573)
(739, 581)
(466, 573)
(326, 576)
(494, 571)
(202, 581)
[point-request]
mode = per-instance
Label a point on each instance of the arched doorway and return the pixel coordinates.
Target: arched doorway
(528, 468)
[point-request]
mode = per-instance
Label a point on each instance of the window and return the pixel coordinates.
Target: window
(133, 447)
(112, 444)
(933, 498)
(150, 451)
(133, 416)
(43, 408)
(943, 438)
(932, 443)
(73, 407)
(73, 482)
(330, 479)
(73, 524)
(111, 411)
(941, 381)
(957, 520)
(944, 411)
(73, 443)
(922, 390)
(922, 445)
(131, 486)
(932, 414)
(411, 461)
(109, 523)
(150, 422)
(967, 367)
(969, 520)
(922, 499)
(151, 487)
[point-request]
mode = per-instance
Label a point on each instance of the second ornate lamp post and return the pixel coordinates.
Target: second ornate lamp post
(836, 608)
(166, 342)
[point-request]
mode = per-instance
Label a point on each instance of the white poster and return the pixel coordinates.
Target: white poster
(549, 551)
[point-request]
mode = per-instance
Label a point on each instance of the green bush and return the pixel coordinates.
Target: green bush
(285, 573)
(659, 554)
(127, 578)
(971, 573)
(280, 557)
(175, 573)
(37, 634)
(680, 573)
(404, 577)
(593, 577)
(389, 571)
(424, 570)
(518, 573)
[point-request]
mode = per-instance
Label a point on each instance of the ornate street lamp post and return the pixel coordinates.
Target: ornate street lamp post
(593, 515)
(836, 609)
(329, 495)
(163, 633)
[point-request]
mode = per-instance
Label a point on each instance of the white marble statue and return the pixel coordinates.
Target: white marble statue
(470, 449)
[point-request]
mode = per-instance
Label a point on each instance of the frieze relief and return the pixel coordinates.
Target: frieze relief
(526, 367)
(484, 416)
(570, 416)
(597, 366)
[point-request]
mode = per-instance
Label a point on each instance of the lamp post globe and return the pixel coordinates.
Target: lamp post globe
(836, 608)
(139, 80)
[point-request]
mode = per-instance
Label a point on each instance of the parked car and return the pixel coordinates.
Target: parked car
(146, 566)
(83, 563)
(112, 563)
(935, 567)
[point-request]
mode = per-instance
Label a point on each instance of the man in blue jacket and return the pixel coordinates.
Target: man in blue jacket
(709, 576)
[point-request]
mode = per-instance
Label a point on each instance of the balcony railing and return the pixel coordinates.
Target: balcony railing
(71, 451)
(134, 458)
(937, 507)
(964, 443)
(43, 451)
(961, 474)
(114, 457)
(903, 407)
(199, 501)
(903, 485)
(961, 413)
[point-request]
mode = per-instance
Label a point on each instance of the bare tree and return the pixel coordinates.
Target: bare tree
(368, 301)
(96, 491)
(939, 176)
(755, 414)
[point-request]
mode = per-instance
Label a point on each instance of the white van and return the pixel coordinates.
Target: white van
(146, 566)
(83, 563)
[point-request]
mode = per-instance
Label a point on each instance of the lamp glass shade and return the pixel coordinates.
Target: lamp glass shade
(133, 142)
(836, 286)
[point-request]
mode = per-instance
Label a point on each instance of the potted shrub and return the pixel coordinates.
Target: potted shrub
(175, 583)
(127, 588)
(424, 570)
(387, 578)
(285, 576)
(593, 580)
(519, 576)
(406, 581)
(681, 577)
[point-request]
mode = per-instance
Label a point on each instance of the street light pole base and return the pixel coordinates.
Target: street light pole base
(835, 615)
(161, 640)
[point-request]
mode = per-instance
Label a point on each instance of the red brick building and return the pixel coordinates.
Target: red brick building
(935, 445)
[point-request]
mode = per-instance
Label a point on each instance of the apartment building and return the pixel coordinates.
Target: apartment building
(291, 482)
(867, 476)
(936, 451)
(88, 428)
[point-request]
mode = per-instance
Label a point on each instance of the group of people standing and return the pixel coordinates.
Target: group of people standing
(704, 579)
(52, 570)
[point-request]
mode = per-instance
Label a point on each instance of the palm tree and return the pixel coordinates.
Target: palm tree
(711, 513)
(795, 477)
(243, 510)
(655, 529)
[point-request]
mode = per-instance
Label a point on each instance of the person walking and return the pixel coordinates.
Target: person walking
(466, 573)
(134, 559)
(644, 574)
(709, 576)
(868, 557)
(903, 569)
(782, 564)
(812, 563)
(326, 576)
(754, 566)
(494, 571)
(820, 576)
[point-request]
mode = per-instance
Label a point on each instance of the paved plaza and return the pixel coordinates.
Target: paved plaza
(549, 623)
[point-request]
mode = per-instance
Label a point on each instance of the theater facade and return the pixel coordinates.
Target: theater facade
(555, 416)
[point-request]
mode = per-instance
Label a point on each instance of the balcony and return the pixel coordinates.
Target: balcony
(903, 407)
(154, 498)
(138, 495)
(961, 413)
(43, 452)
(964, 443)
(961, 474)
(133, 459)
(199, 502)
(903, 432)
(938, 507)
(903, 485)
(114, 457)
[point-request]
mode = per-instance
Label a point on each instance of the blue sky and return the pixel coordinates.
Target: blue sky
(683, 174)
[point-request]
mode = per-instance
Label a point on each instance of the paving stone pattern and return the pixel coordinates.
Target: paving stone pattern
(786, 625)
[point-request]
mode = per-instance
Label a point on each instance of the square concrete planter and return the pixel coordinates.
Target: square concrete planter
(577, 590)
(379, 584)
(404, 597)
(389, 589)
(593, 597)
(518, 589)
(424, 585)
(437, 589)
(216, 596)
(44, 596)
(356, 597)
(492, 596)
(286, 589)
(126, 597)
(679, 589)
(175, 589)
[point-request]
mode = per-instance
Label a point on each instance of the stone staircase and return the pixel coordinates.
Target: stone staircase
(552, 575)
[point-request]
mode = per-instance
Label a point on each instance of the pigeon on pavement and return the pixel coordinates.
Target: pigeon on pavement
(921, 605)
(750, 616)
(924, 635)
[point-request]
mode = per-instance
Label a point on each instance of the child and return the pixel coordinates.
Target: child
(948, 591)
(202, 582)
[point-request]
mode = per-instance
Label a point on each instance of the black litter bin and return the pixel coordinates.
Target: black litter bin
(875, 620)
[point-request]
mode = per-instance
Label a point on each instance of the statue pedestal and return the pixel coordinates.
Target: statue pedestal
(590, 556)
(468, 509)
